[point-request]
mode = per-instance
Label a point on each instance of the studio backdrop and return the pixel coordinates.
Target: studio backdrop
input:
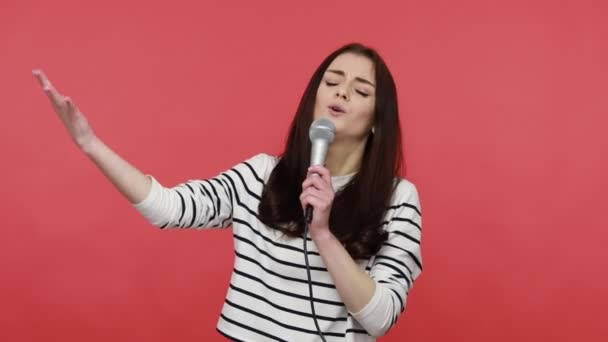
(503, 107)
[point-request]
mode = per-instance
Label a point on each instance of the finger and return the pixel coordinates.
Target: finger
(42, 79)
(46, 85)
(307, 183)
(72, 109)
(324, 198)
(310, 192)
(315, 202)
(322, 171)
(305, 200)
(69, 105)
(312, 174)
(318, 182)
(318, 185)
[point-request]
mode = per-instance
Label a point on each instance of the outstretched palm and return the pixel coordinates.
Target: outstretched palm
(74, 121)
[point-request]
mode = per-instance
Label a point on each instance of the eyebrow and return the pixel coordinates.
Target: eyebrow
(341, 73)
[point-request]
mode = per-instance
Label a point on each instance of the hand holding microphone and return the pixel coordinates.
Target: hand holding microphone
(317, 191)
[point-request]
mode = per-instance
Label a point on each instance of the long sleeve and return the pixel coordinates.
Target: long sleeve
(196, 203)
(397, 264)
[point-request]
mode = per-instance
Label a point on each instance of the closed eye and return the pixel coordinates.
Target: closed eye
(331, 84)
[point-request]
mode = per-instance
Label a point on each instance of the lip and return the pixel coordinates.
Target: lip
(336, 109)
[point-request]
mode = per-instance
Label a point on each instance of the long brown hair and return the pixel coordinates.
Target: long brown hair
(358, 209)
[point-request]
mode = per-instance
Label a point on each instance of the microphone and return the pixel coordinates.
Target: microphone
(321, 133)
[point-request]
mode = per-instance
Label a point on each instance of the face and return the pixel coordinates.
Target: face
(346, 96)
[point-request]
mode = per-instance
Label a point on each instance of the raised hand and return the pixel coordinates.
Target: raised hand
(73, 120)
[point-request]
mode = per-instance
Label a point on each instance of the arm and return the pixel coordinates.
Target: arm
(194, 204)
(205, 203)
(126, 178)
(355, 287)
(397, 264)
(375, 300)
(131, 183)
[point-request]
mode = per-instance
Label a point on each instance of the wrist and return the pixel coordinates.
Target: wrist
(322, 235)
(89, 146)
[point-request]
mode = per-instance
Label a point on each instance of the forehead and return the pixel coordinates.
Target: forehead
(354, 65)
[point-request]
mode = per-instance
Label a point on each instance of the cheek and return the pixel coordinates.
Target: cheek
(323, 93)
(319, 97)
(367, 112)
(322, 98)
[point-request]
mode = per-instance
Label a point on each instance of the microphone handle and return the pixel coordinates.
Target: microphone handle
(308, 214)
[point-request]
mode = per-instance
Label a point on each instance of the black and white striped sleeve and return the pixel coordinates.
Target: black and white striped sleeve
(397, 264)
(193, 204)
(200, 203)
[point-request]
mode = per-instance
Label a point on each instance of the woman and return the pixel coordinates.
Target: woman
(364, 237)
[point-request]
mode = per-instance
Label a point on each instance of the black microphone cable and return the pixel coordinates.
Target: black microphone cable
(307, 220)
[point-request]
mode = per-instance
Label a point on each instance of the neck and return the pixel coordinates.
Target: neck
(344, 156)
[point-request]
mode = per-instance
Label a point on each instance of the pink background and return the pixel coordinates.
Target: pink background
(504, 108)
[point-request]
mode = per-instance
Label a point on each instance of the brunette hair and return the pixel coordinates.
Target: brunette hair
(358, 209)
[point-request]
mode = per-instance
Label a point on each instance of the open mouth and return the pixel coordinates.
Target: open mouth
(337, 108)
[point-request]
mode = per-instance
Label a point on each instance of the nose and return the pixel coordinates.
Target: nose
(342, 92)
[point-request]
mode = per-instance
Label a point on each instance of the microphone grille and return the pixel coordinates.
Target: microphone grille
(322, 129)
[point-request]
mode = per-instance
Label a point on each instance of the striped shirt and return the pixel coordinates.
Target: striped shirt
(268, 295)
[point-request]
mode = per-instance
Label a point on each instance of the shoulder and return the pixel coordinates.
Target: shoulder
(405, 192)
(261, 160)
(261, 165)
